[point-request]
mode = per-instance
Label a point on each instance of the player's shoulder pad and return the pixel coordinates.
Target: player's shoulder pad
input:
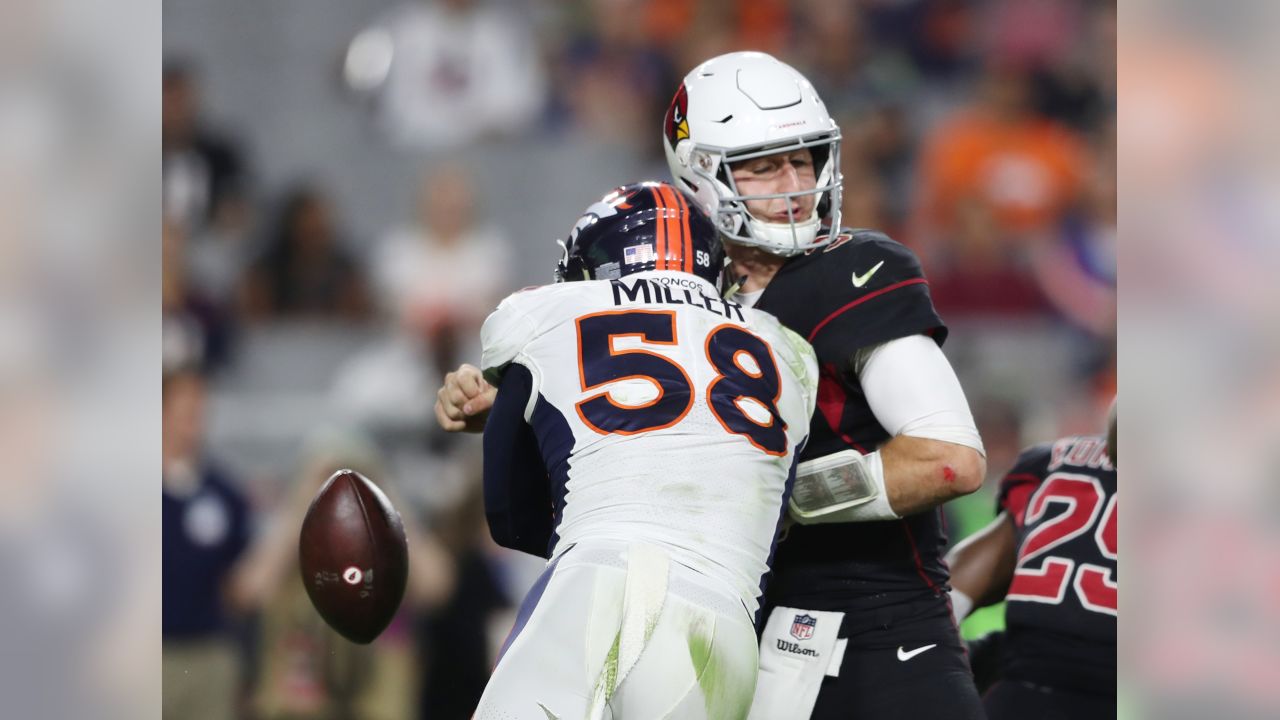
(864, 288)
(868, 259)
(1030, 467)
(1033, 459)
(1027, 473)
(519, 318)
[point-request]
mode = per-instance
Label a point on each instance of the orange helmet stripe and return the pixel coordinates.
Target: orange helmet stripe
(664, 220)
(676, 255)
(686, 234)
(674, 249)
(674, 245)
(659, 230)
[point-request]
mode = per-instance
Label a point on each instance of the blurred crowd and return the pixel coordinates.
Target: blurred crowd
(981, 133)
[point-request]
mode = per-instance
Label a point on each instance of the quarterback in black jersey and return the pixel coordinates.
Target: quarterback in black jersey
(858, 592)
(1051, 554)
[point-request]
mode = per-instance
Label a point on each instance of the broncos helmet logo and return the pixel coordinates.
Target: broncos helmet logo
(677, 120)
(603, 208)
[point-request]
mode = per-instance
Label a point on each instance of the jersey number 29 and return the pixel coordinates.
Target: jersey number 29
(1095, 585)
(746, 374)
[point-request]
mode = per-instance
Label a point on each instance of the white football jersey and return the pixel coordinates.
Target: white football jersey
(672, 416)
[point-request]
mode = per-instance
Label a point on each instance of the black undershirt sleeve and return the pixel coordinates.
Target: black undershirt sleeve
(517, 493)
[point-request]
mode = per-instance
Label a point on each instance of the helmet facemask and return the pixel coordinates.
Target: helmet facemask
(570, 268)
(711, 165)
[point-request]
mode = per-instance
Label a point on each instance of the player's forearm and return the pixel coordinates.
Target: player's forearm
(982, 565)
(936, 453)
(922, 473)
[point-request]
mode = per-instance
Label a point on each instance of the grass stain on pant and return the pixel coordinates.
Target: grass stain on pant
(725, 696)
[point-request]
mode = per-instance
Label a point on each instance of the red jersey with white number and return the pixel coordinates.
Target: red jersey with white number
(1061, 611)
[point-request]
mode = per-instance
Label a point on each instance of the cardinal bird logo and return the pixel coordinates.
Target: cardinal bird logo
(677, 121)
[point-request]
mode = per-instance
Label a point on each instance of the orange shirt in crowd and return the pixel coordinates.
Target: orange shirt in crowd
(1027, 172)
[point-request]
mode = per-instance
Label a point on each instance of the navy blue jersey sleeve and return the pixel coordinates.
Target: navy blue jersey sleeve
(1021, 481)
(517, 492)
(859, 291)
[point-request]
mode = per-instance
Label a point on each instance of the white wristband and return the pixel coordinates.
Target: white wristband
(961, 605)
(841, 487)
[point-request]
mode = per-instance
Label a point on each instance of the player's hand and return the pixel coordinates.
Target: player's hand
(463, 402)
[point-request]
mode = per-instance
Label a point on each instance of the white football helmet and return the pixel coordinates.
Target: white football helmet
(740, 106)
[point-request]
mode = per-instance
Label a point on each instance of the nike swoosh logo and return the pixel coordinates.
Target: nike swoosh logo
(550, 715)
(860, 280)
(905, 656)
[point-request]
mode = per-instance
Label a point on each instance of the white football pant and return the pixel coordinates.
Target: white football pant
(619, 632)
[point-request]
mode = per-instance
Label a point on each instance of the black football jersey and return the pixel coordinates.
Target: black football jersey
(1061, 606)
(859, 291)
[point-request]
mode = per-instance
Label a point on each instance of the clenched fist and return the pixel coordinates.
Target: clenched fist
(463, 402)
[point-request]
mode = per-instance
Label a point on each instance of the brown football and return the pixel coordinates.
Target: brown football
(355, 560)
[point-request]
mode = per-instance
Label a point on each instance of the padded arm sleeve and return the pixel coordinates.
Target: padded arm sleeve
(913, 391)
(517, 492)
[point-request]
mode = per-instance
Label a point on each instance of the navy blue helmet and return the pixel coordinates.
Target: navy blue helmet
(642, 226)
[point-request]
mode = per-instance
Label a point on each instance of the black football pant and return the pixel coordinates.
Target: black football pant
(874, 684)
(1014, 700)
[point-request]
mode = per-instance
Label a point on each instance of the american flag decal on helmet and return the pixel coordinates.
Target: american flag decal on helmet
(637, 254)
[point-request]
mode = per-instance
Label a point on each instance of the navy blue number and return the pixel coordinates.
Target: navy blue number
(755, 381)
(599, 364)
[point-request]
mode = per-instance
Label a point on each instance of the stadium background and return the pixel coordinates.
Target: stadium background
(350, 187)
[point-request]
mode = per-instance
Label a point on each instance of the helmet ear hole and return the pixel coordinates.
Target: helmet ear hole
(821, 154)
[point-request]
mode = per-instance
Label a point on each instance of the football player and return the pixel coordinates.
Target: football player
(857, 617)
(643, 437)
(1051, 555)
(893, 437)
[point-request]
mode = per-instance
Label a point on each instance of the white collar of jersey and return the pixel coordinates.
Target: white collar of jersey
(657, 274)
(747, 299)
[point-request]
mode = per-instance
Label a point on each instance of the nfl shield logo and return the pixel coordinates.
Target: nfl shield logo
(802, 627)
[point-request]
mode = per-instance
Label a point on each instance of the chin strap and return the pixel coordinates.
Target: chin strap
(732, 284)
(735, 287)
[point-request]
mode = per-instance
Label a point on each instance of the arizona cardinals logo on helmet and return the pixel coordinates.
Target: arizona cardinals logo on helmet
(677, 124)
